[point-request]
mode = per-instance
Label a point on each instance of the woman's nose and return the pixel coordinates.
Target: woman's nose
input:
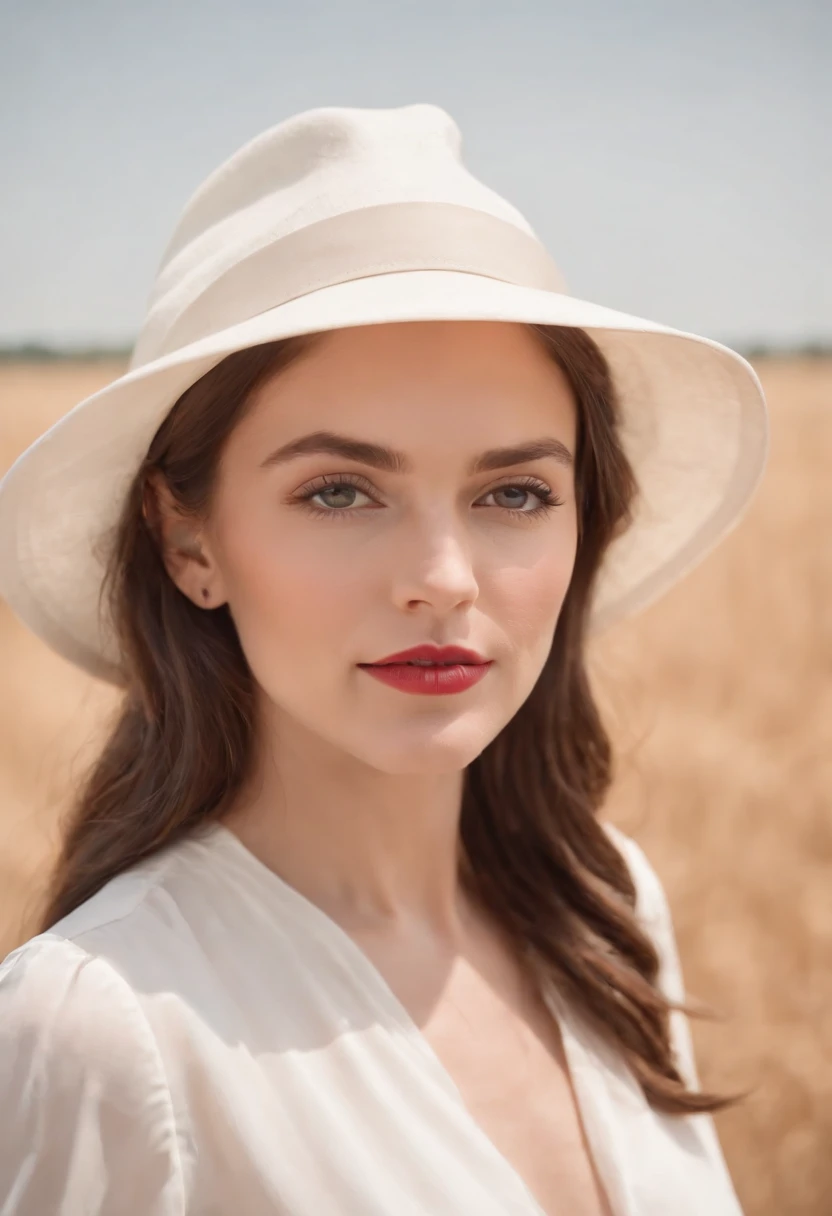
(435, 565)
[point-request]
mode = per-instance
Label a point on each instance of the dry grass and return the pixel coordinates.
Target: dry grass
(720, 700)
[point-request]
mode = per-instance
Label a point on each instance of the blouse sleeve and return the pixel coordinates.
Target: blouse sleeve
(87, 1117)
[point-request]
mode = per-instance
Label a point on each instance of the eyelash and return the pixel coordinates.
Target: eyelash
(548, 500)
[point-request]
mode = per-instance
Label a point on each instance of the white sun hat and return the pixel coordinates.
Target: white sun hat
(339, 217)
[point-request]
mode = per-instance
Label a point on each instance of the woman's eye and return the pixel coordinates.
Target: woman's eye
(337, 496)
(538, 495)
(332, 497)
(516, 498)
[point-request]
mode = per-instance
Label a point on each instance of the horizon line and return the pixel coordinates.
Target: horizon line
(45, 352)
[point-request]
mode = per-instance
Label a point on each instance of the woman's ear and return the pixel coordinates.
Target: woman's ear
(182, 543)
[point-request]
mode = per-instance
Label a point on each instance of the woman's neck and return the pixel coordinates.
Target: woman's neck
(371, 849)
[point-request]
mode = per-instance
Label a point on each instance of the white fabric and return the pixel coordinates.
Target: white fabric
(200, 1038)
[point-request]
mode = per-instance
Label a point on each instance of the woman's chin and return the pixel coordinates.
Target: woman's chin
(430, 751)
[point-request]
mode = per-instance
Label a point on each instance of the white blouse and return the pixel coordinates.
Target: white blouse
(200, 1038)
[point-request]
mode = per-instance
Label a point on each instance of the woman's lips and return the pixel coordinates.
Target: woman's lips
(438, 680)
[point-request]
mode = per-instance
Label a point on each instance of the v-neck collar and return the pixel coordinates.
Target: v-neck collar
(582, 1066)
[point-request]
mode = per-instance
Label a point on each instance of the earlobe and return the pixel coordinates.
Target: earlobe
(184, 552)
(189, 563)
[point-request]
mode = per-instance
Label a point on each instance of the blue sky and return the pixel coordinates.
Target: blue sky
(674, 157)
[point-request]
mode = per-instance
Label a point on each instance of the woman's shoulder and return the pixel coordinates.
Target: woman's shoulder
(136, 913)
(75, 988)
(653, 911)
(123, 897)
(66, 993)
(652, 908)
(651, 899)
(56, 998)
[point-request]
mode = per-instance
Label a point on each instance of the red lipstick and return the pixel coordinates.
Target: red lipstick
(429, 670)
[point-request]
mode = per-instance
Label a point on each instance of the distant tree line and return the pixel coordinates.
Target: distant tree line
(36, 352)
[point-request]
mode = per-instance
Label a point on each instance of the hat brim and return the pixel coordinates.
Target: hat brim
(694, 426)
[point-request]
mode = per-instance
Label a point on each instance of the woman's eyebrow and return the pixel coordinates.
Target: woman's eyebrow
(381, 457)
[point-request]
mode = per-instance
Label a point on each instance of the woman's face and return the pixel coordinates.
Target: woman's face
(331, 560)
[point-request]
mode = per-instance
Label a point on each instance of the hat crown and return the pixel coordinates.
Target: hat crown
(312, 167)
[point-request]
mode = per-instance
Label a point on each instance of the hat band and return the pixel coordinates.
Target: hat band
(375, 240)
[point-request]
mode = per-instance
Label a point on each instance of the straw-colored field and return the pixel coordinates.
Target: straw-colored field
(720, 698)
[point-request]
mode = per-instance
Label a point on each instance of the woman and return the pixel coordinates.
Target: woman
(335, 928)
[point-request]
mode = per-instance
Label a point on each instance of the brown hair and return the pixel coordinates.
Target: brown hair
(533, 851)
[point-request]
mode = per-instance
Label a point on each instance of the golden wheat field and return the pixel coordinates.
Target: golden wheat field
(719, 698)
